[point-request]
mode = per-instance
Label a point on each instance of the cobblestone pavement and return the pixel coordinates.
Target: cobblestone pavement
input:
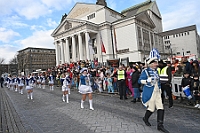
(48, 114)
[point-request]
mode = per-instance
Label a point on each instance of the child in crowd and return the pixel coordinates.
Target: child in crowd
(186, 82)
(195, 87)
(109, 83)
(99, 83)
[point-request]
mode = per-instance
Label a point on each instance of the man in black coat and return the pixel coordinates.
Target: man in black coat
(135, 85)
(1, 81)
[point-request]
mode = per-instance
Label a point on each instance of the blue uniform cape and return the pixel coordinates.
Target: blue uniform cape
(147, 88)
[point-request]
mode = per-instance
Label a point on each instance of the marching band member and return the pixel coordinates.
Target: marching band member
(151, 96)
(85, 88)
(20, 81)
(51, 82)
(14, 81)
(43, 81)
(39, 81)
(9, 79)
(65, 87)
(29, 87)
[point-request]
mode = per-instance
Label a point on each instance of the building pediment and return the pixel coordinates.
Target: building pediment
(81, 10)
(66, 25)
(144, 17)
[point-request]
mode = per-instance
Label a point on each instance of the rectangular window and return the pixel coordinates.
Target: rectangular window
(91, 16)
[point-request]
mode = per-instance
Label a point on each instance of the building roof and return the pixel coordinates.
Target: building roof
(144, 6)
(179, 30)
(35, 48)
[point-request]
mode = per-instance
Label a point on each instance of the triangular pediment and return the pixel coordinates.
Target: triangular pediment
(144, 17)
(80, 10)
(67, 24)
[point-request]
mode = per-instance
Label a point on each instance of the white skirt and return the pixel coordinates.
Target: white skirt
(51, 82)
(84, 89)
(21, 84)
(65, 88)
(29, 88)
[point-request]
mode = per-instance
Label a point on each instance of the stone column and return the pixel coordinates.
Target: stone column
(80, 42)
(87, 37)
(73, 49)
(62, 53)
(67, 55)
(57, 54)
(150, 41)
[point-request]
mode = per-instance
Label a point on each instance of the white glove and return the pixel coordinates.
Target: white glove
(149, 80)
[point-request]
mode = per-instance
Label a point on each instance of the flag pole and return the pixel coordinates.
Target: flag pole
(101, 48)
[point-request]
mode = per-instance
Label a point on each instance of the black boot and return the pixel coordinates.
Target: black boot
(146, 117)
(160, 118)
(134, 100)
(138, 100)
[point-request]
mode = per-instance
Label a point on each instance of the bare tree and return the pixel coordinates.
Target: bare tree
(2, 60)
(13, 61)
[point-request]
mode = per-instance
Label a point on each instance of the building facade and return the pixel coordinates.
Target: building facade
(130, 34)
(183, 41)
(8, 68)
(32, 59)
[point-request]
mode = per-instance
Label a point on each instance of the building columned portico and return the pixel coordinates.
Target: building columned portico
(129, 34)
(75, 47)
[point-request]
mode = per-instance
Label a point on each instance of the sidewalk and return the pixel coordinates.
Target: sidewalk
(10, 121)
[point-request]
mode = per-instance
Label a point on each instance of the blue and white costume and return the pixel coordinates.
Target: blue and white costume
(29, 83)
(151, 90)
(51, 79)
(9, 79)
(66, 83)
(20, 81)
(51, 82)
(65, 88)
(151, 95)
(85, 85)
(43, 81)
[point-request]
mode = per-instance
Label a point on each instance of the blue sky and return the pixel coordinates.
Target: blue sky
(29, 23)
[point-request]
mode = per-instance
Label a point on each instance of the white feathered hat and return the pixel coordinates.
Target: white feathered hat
(151, 60)
(83, 69)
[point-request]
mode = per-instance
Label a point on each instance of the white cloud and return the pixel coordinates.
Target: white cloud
(6, 35)
(51, 23)
(33, 10)
(8, 52)
(13, 21)
(37, 27)
(58, 4)
(180, 15)
(39, 39)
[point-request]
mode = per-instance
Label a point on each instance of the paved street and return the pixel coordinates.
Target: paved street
(48, 114)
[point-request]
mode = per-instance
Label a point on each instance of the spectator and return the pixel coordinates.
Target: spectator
(1, 81)
(135, 85)
(195, 68)
(187, 65)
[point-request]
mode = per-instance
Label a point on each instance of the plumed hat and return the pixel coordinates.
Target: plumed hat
(151, 60)
(83, 69)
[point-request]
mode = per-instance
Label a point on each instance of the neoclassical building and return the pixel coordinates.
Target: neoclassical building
(130, 34)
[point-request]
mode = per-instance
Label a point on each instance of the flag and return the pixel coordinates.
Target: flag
(91, 50)
(154, 53)
(115, 37)
(102, 45)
